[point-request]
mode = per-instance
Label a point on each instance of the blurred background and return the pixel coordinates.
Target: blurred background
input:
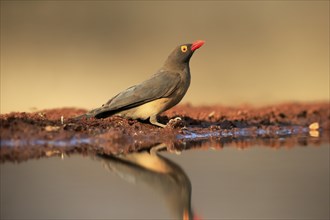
(81, 53)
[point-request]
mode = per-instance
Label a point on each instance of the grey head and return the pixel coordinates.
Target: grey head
(181, 55)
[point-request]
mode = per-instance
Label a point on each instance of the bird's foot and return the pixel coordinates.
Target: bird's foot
(177, 123)
(175, 120)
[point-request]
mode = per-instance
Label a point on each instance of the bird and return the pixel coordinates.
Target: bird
(162, 91)
(157, 172)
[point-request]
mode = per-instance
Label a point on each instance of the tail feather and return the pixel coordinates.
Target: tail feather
(86, 115)
(101, 112)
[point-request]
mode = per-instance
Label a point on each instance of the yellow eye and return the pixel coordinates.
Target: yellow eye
(184, 48)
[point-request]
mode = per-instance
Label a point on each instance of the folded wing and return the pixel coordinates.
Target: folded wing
(161, 85)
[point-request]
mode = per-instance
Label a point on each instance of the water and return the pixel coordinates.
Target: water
(230, 183)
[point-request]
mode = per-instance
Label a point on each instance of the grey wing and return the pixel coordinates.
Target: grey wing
(162, 84)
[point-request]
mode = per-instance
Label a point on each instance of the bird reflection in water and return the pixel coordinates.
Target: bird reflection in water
(157, 172)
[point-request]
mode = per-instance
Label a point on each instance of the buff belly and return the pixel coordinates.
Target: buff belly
(146, 110)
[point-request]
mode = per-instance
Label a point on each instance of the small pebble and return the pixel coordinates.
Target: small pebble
(314, 133)
(51, 128)
(211, 114)
(314, 126)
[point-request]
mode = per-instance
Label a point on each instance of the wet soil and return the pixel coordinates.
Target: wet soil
(55, 131)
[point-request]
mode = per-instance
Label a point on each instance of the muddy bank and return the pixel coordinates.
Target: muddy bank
(54, 131)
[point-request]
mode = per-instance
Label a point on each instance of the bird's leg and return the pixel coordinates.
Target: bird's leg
(153, 151)
(153, 120)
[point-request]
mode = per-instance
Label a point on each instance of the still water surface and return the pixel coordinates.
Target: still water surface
(258, 182)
